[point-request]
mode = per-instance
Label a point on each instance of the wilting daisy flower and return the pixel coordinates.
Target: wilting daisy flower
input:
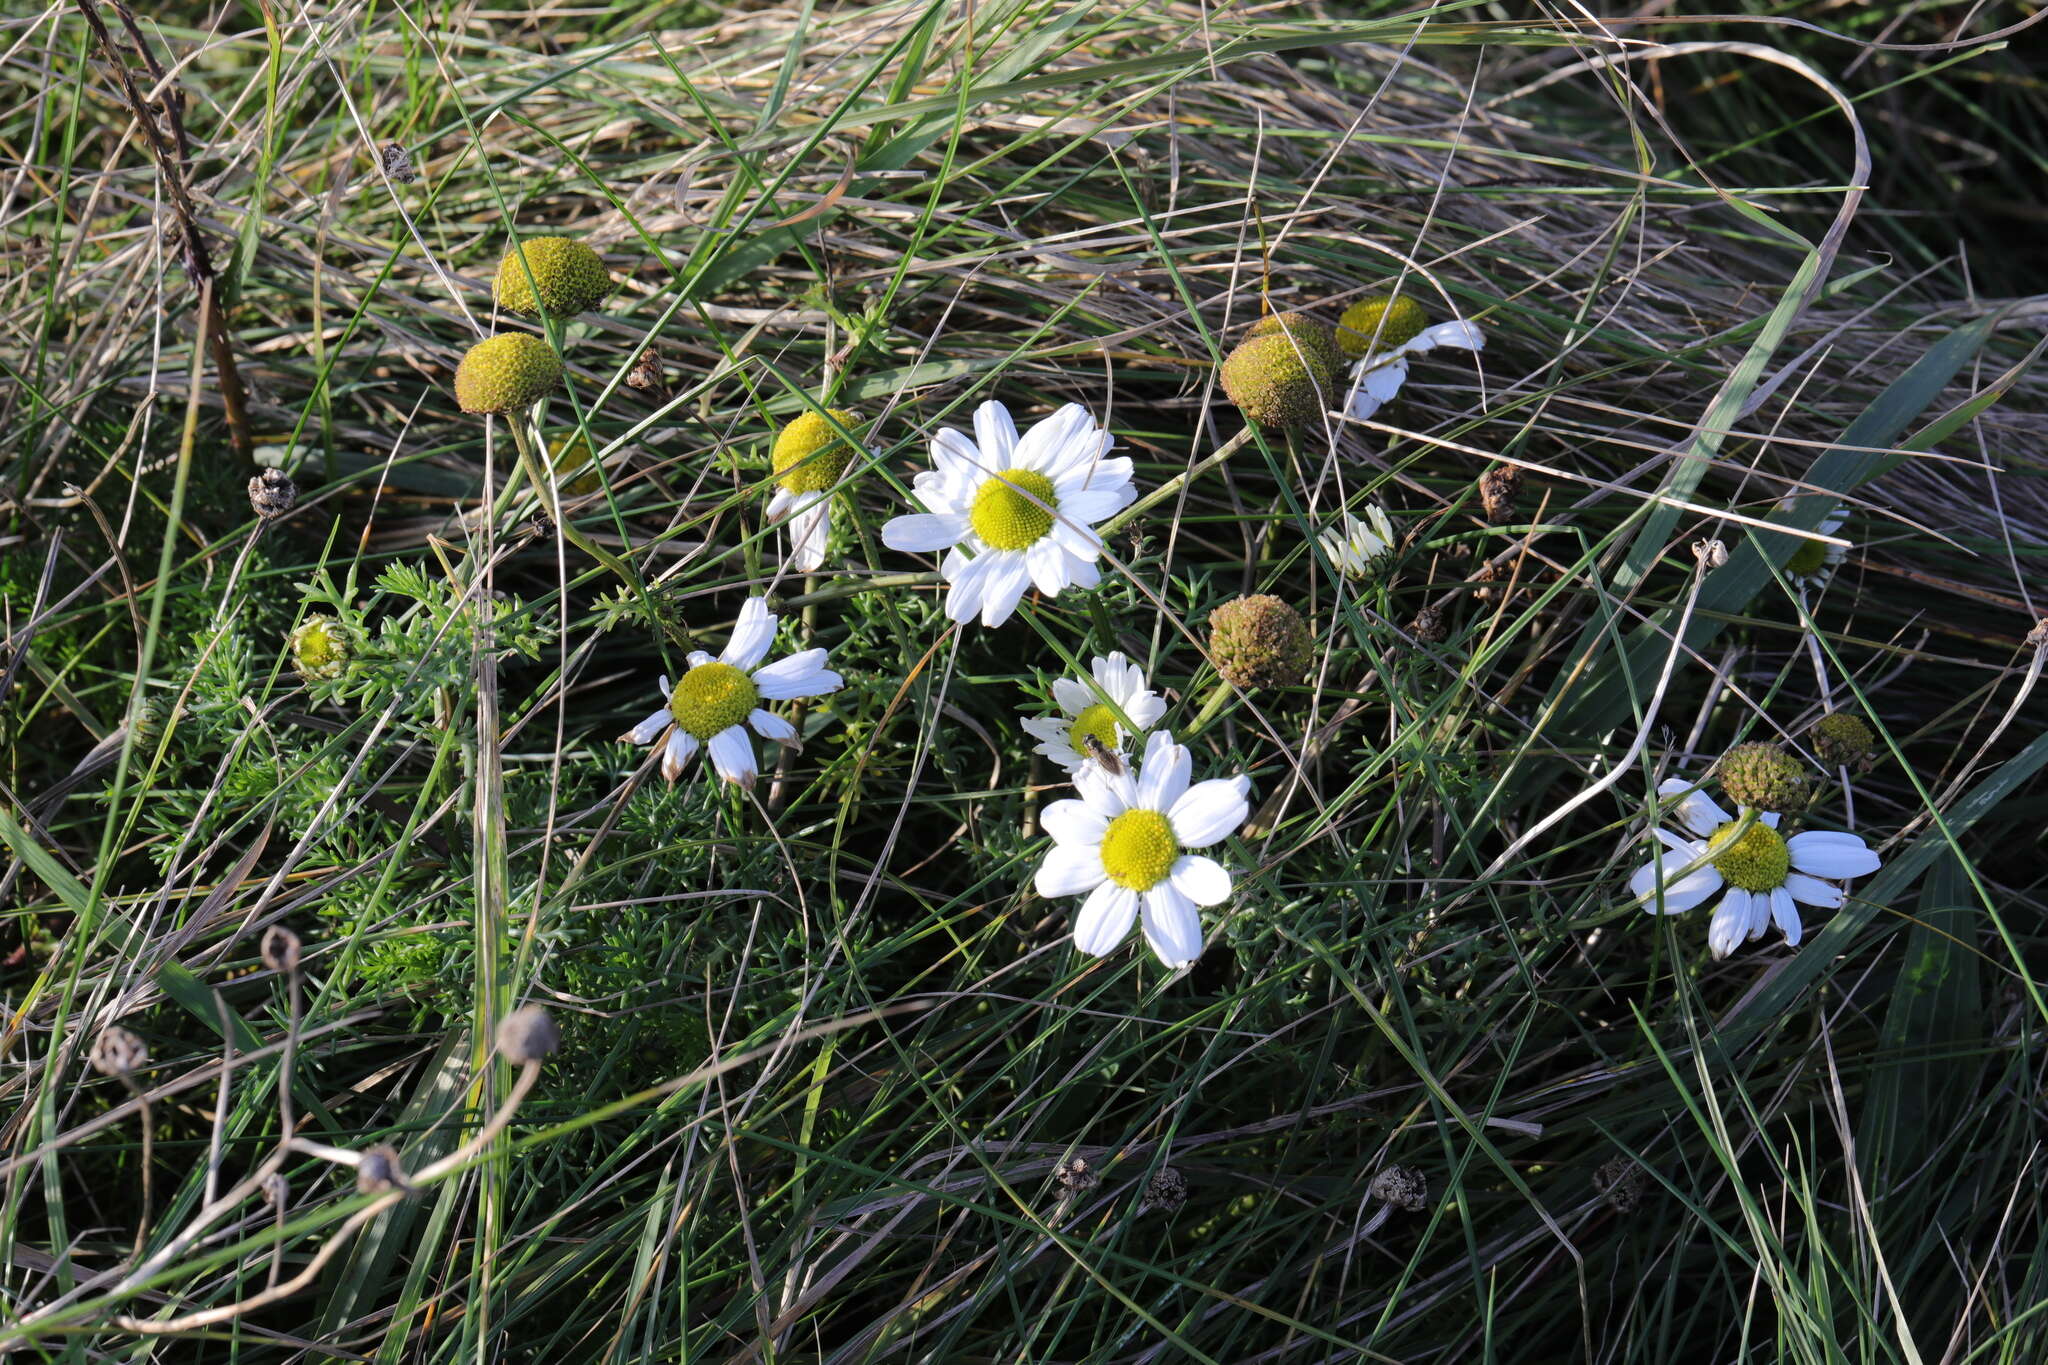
(715, 702)
(1815, 561)
(1124, 843)
(1355, 546)
(1767, 876)
(1023, 507)
(1064, 738)
(810, 459)
(1380, 333)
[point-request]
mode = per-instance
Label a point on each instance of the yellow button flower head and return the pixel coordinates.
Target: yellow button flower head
(561, 278)
(1124, 844)
(507, 373)
(810, 458)
(1380, 322)
(321, 648)
(1378, 334)
(718, 700)
(1285, 372)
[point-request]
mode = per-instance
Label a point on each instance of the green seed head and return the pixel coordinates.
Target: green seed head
(1138, 849)
(1259, 641)
(1380, 322)
(1762, 777)
(321, 648)
(712, 698)
(1842, 740)
(561, 278)
(1312, 338)
(1005, 518)
(809, 455)
(1758, 861)
(509, 372)
(1278, 381)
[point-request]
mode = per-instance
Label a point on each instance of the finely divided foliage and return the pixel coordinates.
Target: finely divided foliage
(1273, 844)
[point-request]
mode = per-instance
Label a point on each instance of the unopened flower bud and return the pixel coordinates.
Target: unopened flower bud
(272, 494)
(1842, 740)
(528, 1034)
(321, 648)
(1259, 641)
(1762, 777)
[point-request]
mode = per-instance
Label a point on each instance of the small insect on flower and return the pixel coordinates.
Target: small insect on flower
(1380, 333)
(1103, 755)
(1097, 718)
(1124, 844)
(1014, 512)
(1766, 875)
(714, 703)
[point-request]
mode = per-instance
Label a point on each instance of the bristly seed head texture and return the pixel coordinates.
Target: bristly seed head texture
(507, 373)
(1762, 777)
(1260, 641)
(561, 278)
(1379, 322)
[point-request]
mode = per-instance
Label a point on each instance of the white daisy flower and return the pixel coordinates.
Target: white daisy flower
(1355, 545)
(1023, 507)
(715, 702)
(1814, 562)
(1092, 712)
(1378, 377)
(1767, 876)
(1124, 842)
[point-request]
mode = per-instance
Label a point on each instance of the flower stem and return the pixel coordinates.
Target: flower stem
(544, 489)
(1173, 485)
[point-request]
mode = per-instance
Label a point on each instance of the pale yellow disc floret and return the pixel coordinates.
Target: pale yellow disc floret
(712, 698)
(1138, 849)
(1005, 518)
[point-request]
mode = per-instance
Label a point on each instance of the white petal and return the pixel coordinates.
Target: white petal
(1808, 891)
(1201, 880)
(733, 755)
(996, 434)
(1042, 447)
(1046, 562)
(1831, 855)
(808, 532)
(970, 583)
(779, 505)
(947, 494)
(1070, 870)
(1681, 894)
(923, 532)
(674, 754)
(1074, 822)
(1787, 916)
(1073, 695)
(751, 636)
(1730, 926)
(1107, 794)
(1164, 775)
(957, 457)
(1697, 812)
(647, 731)
(1769, 819)
(1172, 926)
(1210, 812)
(1090, 506)
(697, 658)
(1146, 710)
(1003, 588)
(768, 725)
(1458, 333)
(1105, 918)
(800, 675)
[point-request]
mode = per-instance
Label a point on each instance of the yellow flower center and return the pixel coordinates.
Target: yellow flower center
(1808, 559)
(1005, 518)
(1758, 861)
(712, 698)
(1138, 849)
(1097, 720)
(809, 455)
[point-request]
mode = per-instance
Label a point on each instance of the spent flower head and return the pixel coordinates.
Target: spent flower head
(1380, 333)
(1842, 740)
(507, 373)
(1285, 372)
(1762, 776)
(1260, 641)
(810, 458)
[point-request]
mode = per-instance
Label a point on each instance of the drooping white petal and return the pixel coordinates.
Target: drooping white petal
(1457, 333)
(674, 754)
(968, 584)
(1164, 776)
(1074, 822)
(809, 529)
(1210, 812)
(924, 532)
(1769, 819)
(996, 434)
(1105, 918)
(802, 674)
(1375, 385)
(1730, 926)
(697, 658)
(751, 636)
(1697, 812)
(1107, 794)
(1172, 926)
(1811, 891)
(770, 726)
(779, 505)
(1680, 893)
(647, 731)
(1787, 916)
(732, 754)
(1070, 870)
(1003, 587)
(1202, 880)
(1821, 854)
